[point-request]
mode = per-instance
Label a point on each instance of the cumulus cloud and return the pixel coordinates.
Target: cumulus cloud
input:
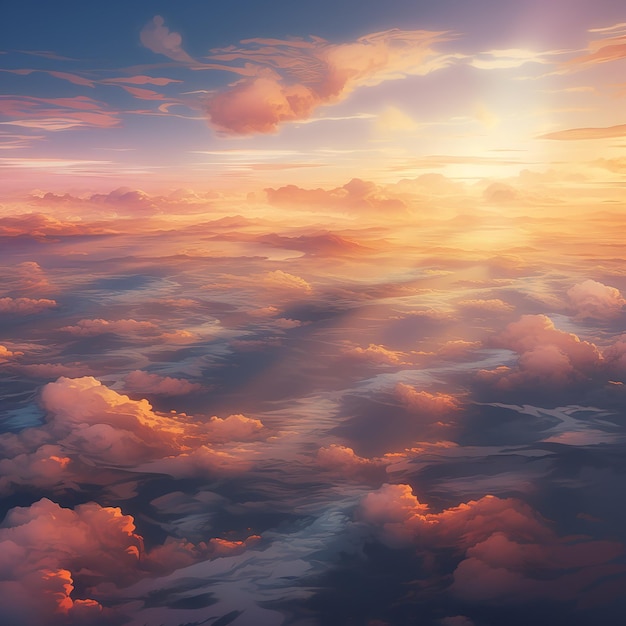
(289, 80)
(591, 299)
(25, 305)
(47, 549)
(506, 545)
(548, 357)
(160, 39)
(89, 425)
(435, 404)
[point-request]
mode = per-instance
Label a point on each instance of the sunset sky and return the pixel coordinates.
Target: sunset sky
(313, 314)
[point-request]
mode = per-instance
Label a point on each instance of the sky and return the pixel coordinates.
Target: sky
(312, 314)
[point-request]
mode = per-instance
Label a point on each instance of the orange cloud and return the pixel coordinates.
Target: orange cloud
(376, 355)
(47, 548)
(7, 355)
(436, 404)
(291, 79)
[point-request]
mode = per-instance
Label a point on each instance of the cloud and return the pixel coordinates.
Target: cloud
(157, 37)
(492, 306)
(344, 461)
(57, 114)
(507, 548)
(356, 195)
(603, 50)
(284, 281)
(507, 59)
(8, 355)
(25, 305)
(145, 382)
(548, 358)
(51, 554)
(90, 426)
(376, 355)
(606, 132)
(129, 327)
(591, 299)
(290, 79)
(434, 404)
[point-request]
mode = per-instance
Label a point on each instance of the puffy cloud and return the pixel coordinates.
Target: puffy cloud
(284, 281)
(376, 355)
(507, 548)
(8, 355)
(145, 382)
(46, 549)
(234, 428)
(289, 80)
(591, 299)
(25, 305)
(89, 425)
(548, 357)
(436, 404)
(157, 37)
(343, 460)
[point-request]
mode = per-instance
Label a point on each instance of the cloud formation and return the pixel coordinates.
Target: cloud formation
(160, 39)
(291, 79)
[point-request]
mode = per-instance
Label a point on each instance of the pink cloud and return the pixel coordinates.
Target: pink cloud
(47, 549)
(25, 305)
(90, 427)
(507, 547)
(57, 113)
(591, 299)
(157, 37)
(291, 79)
(548, 357)
(145, 382)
